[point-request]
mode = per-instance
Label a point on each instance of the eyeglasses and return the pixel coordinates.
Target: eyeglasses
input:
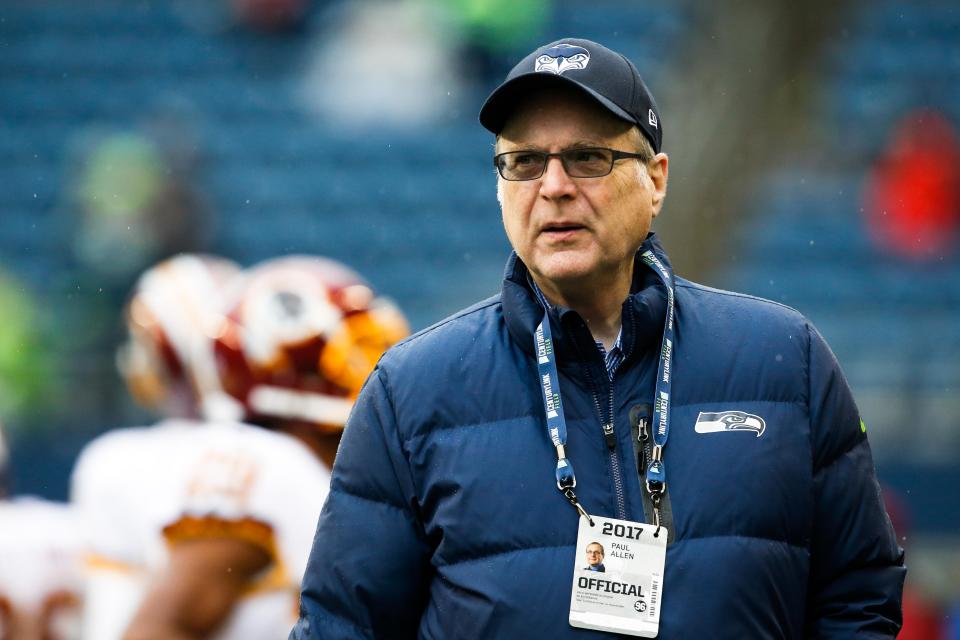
(582, 162)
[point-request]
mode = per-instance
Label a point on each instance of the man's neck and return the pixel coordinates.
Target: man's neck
(599, 302)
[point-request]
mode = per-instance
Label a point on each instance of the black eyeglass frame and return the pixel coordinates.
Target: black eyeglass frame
(615, 154)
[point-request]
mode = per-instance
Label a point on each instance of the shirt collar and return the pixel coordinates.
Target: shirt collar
(547, 306)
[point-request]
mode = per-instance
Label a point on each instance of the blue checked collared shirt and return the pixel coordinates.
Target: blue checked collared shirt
(612, 358)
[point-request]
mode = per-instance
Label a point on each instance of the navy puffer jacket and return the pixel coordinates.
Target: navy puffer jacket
(444, 521)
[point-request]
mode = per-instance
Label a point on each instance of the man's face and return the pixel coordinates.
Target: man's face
(594, 554)
(577, 231)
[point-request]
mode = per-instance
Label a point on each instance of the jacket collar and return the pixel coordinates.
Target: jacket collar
(643, 313)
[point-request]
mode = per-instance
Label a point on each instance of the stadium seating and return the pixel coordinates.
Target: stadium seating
(895, 326)
(413, 210)
(280, 181)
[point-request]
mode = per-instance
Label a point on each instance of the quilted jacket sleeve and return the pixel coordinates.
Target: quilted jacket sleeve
(857, 571)
(368, 572)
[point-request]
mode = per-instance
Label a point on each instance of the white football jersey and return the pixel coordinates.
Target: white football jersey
(141, 489)
(40, 568)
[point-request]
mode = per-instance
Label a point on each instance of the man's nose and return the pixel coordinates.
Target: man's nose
(555, 182)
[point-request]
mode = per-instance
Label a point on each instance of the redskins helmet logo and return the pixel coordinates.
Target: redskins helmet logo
(289, 303)
(285, 307)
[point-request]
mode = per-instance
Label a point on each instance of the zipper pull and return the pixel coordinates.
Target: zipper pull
(609, 436)
(640, 420)
(655, 499)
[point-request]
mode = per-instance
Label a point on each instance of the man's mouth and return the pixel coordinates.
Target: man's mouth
(561, 228)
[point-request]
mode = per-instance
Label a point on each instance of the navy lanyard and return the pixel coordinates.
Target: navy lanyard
(656, 478)
(656, 472)
(556, 422)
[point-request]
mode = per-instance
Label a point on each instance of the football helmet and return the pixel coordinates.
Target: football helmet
(167, 360)
(301, 335)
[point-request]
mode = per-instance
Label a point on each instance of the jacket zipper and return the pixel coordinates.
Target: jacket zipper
(640, 417)
(640, 423)
(610, 438)
(643, 437)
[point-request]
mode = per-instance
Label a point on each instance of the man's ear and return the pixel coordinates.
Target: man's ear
(658, 170)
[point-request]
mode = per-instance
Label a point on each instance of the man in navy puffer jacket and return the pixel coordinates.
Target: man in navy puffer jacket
(444, 519)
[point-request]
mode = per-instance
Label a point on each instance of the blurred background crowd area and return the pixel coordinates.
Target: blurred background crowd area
(815, 160)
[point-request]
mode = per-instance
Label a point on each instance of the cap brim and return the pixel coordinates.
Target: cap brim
(505, 98)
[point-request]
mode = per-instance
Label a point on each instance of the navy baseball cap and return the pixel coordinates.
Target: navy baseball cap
(604, 75)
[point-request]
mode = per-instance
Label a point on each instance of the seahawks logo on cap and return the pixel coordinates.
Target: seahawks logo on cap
(562, 57)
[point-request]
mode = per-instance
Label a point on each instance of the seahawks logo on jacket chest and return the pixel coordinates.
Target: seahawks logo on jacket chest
(713, 422)
(562, 57)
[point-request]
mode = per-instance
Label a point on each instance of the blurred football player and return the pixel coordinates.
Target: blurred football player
(115, 484)
(40, 572)
(225, 513)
